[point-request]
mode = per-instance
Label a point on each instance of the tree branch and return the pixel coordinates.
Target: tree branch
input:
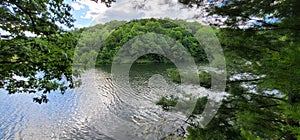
(237, 108)
(269, 97)
(244, 80)
(29, 15)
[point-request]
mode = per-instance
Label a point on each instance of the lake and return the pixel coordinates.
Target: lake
(98, 109)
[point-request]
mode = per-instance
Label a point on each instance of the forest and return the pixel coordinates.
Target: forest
(263, 103)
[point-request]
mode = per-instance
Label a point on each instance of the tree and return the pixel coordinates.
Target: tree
(125, 33)
(266, 34)
(107, 2)
(37, 17)
(41, 61)
(279, 45)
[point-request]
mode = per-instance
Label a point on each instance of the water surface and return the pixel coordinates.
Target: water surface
(96, 110)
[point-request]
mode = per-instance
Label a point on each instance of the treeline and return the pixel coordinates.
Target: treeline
(161, 34)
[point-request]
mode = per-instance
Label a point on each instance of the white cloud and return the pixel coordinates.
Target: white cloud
(77, 6)
(78, 26)
(137, 9)
(95, 9)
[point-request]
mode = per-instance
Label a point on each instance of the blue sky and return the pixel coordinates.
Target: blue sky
(78, 11)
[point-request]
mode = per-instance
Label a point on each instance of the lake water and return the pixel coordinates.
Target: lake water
(96, 110)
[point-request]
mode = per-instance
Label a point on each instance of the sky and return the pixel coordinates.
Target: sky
(87, 12)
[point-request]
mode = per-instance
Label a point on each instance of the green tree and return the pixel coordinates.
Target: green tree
(42, 60)
(49, 52)
(270, 43)
(135, 28)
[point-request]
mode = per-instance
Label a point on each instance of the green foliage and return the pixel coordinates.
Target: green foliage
(37, 17)
(167, 102)
(108, 3)
(200, 104)
(90, 42)
(204, 77)
(270, 46)
(43, 62)
(128, 31)
(174, 75)
(50, 57)
(40, 63)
